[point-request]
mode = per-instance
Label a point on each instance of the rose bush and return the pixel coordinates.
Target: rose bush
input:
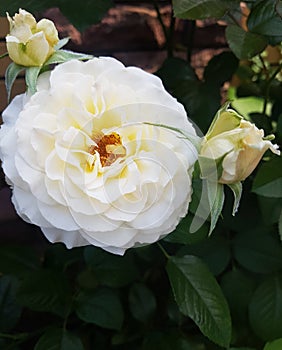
(236, 145)
(85, 166)
(30, 43)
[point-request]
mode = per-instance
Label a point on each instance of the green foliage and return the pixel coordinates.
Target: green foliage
(265, 308)
(10, 310)
(89, 11)
(199, 297)
(58, 339)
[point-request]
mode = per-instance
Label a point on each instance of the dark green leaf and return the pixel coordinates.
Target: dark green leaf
(11, 74)
(12, 6)
(244, 44)
(258, 250)
(238, 289)
(167, 341)
(58, 339)
(270, 209)
(199, 296)
(58, 257)
(280, 225)
(45, 290)
(264, 18)
(182, 235)
(101, 307)
(142, 302)
(200, 9)
(221, 68)
(89, 12)
(274, 345)
(111, 270)
(174, 70)
(268, 181)
(10, 310)
(265, 309)
(214, 251)
(18, 260)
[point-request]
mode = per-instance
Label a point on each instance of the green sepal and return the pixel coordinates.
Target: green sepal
(11, 74)
(31, 75)
(210, 205)
(61, 43)
(211, 169)
(237, 191)
(216, 201)
(62, 56)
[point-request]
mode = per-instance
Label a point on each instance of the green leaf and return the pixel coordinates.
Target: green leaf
(258, 250)
(58, 339)
(238, 289)
(91, 12)
(221, 68)
(214, 251)
(18, 260)
(111, 270)
(265, 310)
(12, 6)
(264, 19)
(61, 56)
(274, 345)
(268, 182)
(237, 192)
(200, 9)
(199, 296)
(142, 302)
(244, 44)
(101, 307)
(11, 74)
(81, 17)
(31, 76)
(280, 225)
(270, 209)
(45, 290)
(182, 235)
(168, 340)
(10, 310)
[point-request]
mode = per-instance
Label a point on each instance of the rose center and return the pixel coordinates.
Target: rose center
(109, 147)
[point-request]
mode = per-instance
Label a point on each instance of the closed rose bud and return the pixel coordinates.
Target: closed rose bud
(30, 43)
(235, 145)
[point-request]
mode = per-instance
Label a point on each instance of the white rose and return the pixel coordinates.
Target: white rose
(85, 167)
(30, 43)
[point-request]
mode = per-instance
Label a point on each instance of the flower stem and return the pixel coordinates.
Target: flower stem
(163, 250)
(4, 55)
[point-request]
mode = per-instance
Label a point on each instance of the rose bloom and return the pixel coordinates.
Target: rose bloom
(30, 43)
(86, 167)
(238, 143)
